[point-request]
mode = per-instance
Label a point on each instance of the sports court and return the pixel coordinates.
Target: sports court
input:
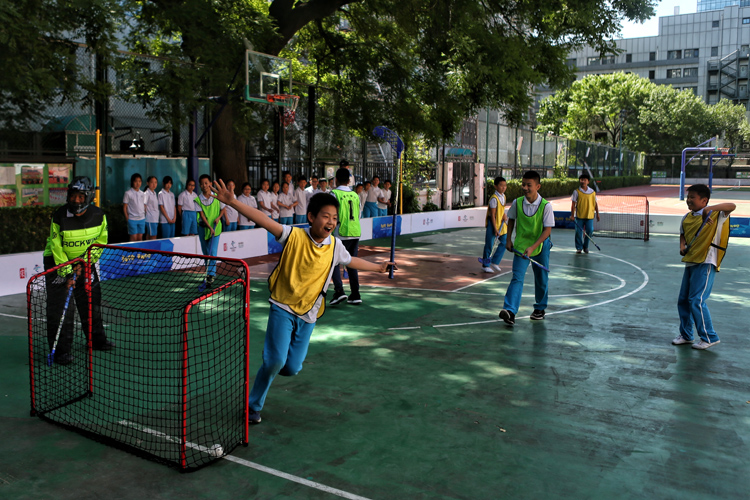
(421, 392)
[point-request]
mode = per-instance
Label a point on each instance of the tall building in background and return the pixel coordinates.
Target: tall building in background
(706, 53)
(706, 5)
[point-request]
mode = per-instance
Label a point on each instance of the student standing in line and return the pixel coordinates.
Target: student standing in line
(167, 208)
(134, 207)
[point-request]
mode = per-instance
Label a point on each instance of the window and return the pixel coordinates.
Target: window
(651, 74)
(746, 20)
(715, 24)
(652, 56)
(714, 51)
(673, 73)
(743, 90)
(674, 54)
(628, 58)
(689, 72)
(690, 53)
(743, 70)
(595, 61)
(571, 62)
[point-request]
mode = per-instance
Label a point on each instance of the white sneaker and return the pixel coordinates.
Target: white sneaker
(704, 345)
(496, 267)
(488, 270)
(679, 340)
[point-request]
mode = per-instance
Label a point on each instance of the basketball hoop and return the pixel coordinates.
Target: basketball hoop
(724, 151)
(287, 104)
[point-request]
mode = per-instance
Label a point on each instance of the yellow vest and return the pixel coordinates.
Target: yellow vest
(302, 273)
(585, 205)
(698, 251)
(499, 213)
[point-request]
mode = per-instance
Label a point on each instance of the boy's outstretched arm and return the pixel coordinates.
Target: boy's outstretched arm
(727, 208)
(221, 193)
(365, 265)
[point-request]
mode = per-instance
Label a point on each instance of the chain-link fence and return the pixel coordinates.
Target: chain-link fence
(67, 127)
(509, 151)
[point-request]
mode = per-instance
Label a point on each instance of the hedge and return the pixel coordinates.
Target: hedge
(564, 187)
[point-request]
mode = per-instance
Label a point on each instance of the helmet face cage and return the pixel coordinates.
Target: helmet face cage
(80, 185)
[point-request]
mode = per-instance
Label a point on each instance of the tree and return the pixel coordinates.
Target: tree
(414, 66)
(647, 117)
(601, 103)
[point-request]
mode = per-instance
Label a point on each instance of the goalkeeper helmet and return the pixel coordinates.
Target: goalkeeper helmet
(84, 186)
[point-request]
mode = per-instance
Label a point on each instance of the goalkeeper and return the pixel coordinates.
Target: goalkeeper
(298, 285)
(75, 227)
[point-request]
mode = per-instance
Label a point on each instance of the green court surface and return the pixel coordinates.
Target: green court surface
(421, 392)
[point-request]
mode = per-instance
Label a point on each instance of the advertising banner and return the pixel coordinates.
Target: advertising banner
(381, 226)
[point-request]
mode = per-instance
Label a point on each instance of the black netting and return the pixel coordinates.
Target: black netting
(175, 385)
(622, 217)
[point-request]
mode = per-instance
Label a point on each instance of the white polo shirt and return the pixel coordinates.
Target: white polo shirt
(301, 197)
(152, 206)
(186, 201)
(250, 202)
(166, 200)
(136, 202)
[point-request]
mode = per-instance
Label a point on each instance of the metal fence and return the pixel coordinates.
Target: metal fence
(68, 127)
(509, 151)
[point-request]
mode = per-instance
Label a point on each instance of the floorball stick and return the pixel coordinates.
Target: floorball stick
(587, 236)
(537, 264)
(51, 356)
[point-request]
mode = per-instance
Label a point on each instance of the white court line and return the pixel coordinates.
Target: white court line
(482, 281)
(247, 463)
(13, 316)
(645, 282)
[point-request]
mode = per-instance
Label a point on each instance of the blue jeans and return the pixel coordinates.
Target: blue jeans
(697, 282)
(300, 219)
(371, 209)
(189, 222)
(489, 240)
(541, 278)
(210, 247)
(582, 243)
(167, 230)
(285, 348)
(231, 226)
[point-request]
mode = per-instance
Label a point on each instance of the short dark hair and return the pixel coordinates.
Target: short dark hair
(344, 163)
(701, 190)
(368, 182)
(285, 173)
(498, 180)
(264, 180)
(167, 179)
(584, 176)
(375, 177)
(532, 175)
(387, 181)
(230, 180)
(313, 177)
(244, 185)
(320, 200)
(133, 178)
(343, 175)
(302, 178)
(148, 179)
(204, 176)
(359, 184)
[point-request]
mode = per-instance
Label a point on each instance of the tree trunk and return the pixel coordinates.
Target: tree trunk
(229, 149)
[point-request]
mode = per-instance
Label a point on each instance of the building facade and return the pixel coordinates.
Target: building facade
(705, 52)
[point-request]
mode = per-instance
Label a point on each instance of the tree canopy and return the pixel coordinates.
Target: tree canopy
(418, 67)
(647, 117)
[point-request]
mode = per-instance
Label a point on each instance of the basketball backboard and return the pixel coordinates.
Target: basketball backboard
(266, 74)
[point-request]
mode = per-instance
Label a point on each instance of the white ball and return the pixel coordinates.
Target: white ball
(216, 451)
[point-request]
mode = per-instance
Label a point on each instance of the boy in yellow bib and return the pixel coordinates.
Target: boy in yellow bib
(704, 235)
(495, 228)
(583, 206)
(298, 285)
